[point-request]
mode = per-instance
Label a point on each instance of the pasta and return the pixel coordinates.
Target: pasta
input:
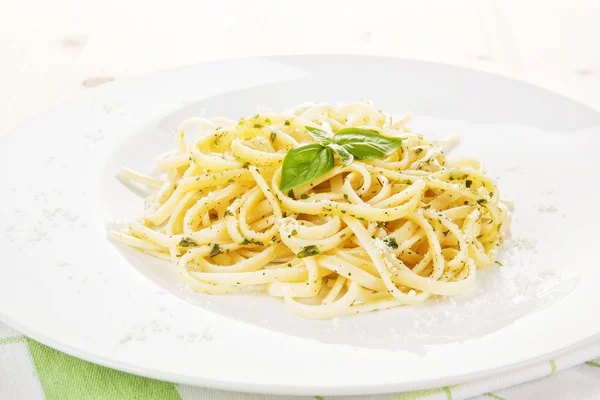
(364, 236)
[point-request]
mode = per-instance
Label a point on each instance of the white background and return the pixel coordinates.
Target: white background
(50, 50)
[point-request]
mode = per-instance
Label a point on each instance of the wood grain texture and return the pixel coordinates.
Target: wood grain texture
(51, 50)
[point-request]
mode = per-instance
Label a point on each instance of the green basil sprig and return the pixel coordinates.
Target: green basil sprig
(366, 145)
(304, 163)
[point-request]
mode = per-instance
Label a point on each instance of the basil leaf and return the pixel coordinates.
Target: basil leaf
(319, 135)
(342, 153)
(365, 144)
(304, 163)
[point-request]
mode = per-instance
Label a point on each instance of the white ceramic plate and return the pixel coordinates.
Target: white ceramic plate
(65, 285)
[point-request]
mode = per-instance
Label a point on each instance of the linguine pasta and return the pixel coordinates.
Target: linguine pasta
(370, 235)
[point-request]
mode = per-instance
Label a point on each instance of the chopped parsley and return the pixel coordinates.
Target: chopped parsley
(215, 251)
(391, 242)
(217, 138)
(251, 241)
(418, 151)
(258, 126)
(468, 183)
(187, 242)
(445, 233)
(304, 196)
(308, 251)
(291, 195)
(287, 123)
(267, 121)
(273, 137)
(382, 225)
(294, 232)
(231, 180)
(345, 196)
(499, 263)
(228, 212)
(481, 201)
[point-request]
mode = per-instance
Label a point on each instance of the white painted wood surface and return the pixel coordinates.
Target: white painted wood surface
(51, 49)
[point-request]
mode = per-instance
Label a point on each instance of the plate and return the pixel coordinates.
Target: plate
(64, 284)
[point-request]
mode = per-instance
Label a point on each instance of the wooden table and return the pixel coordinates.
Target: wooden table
(50, 50)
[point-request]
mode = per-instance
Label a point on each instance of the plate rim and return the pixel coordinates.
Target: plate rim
(375, 389)
(125, 80)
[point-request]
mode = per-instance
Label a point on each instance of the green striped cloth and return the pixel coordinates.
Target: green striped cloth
(30, 370)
